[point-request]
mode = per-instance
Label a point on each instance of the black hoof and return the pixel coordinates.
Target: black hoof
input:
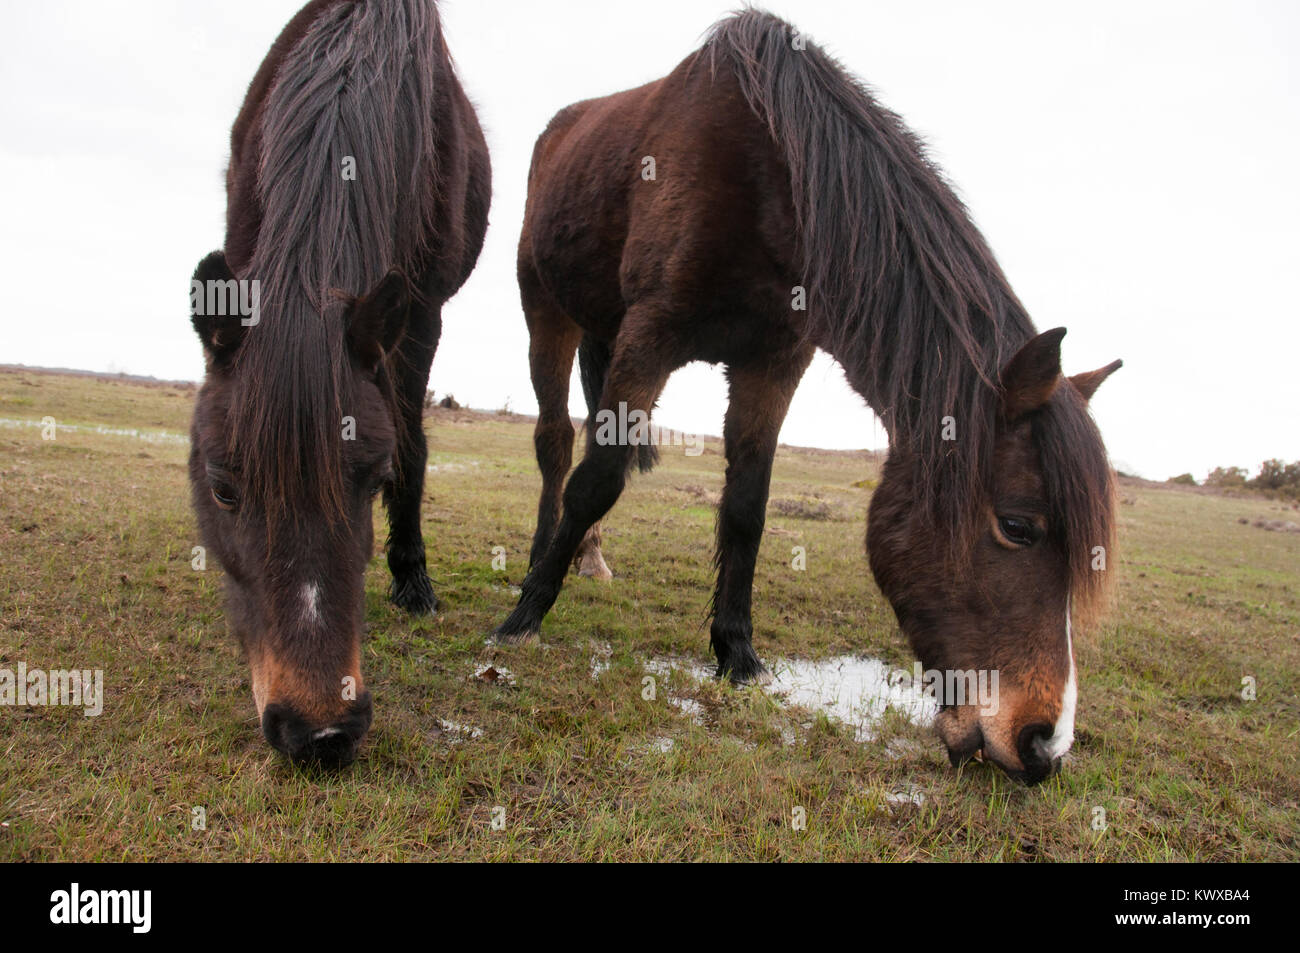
(515, 638)
(414, 593)
(519, 627)
(750, 675)
(733, 646)
(737, 662)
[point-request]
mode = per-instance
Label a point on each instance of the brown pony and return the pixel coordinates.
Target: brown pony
(357, 191)
(758, 203)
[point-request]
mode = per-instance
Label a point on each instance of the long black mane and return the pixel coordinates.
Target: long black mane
(356, 94)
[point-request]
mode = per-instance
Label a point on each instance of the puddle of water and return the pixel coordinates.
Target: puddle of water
(697, 671)
(854, 691)
(148, 436)
(451, 467)
(665, 664)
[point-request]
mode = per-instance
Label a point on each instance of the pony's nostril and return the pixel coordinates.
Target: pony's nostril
(1032, 748)
(328, 748)
(282, 728)
(1033, 739)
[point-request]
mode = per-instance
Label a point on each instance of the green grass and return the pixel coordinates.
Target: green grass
(95, 539)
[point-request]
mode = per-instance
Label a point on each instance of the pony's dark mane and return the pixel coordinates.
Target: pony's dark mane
(359, 84)
(904, 292)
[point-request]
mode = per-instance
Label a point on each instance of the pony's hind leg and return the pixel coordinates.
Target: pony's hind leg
(553, 339)
(758, 400)
(636, 376)
(589, 560)
(411, 589)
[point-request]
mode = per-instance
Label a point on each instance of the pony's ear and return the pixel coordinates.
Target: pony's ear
(377, 319)
(1031, 377)
(1088, 382)
(214, 308)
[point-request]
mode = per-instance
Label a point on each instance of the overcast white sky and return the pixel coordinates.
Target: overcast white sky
(1134, 166)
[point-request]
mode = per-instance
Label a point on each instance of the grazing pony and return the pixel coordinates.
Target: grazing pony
(751, 206)
(357, 193)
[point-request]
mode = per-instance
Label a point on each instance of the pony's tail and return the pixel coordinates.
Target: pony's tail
(593, 365)
(347, 154)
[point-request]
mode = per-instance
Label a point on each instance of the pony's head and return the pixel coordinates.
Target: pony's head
(985, 584)
(293, 436)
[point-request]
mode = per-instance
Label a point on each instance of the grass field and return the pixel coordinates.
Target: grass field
(563, 750)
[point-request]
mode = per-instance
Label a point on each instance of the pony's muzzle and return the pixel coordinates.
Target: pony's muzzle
(969, 742)
(330, 746)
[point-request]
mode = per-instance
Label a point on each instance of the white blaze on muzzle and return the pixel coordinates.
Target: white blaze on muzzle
(1063, 732)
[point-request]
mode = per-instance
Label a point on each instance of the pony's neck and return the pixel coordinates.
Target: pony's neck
(915, 369)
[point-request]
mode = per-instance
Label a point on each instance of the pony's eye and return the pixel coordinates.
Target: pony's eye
(1018, 531)
(224, 496)
(378, 483)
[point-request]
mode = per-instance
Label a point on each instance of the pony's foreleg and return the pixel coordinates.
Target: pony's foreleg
(411, 588)
(635, 379)
(758, 400)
